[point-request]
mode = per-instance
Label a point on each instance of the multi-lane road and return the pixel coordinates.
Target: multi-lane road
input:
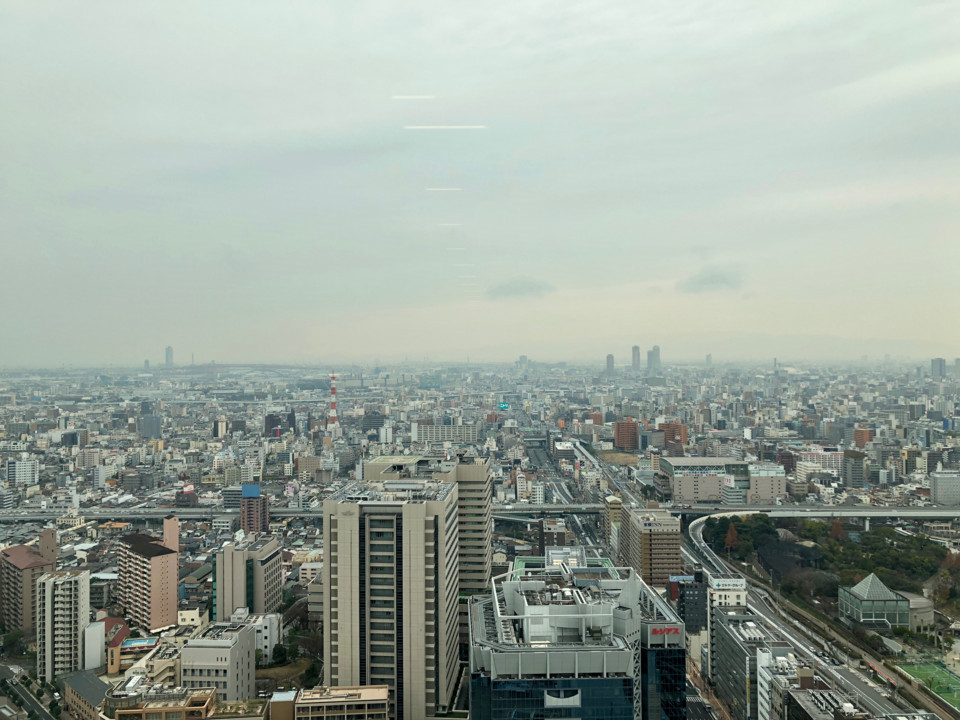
(845, 679)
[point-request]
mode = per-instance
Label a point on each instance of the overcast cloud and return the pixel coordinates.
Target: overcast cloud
(234, 179)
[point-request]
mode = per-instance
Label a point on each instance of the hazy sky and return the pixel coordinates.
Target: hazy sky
(235, 179)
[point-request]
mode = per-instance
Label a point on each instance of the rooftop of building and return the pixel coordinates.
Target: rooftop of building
(366, 693)
(694, 461)
(146, 545)
(535, 597)
(747, 628)
(219, 631)
(395, 492)
(819, 704)
(87, 685)
(23, 557)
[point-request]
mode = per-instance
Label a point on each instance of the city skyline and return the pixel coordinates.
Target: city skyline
(268, 187)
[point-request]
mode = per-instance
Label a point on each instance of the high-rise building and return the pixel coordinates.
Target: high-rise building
(220, 428)
(945, 488)
(223, 655)
(254, 510)
(653, 360)
(691, 599)
(474, 498)
(63, 613)
(624, 656)
(611, 518)
(674, 437)
(169, 356)
(148, 577)
(724, 590)
(649, 542)
(23, 472)
(626, 436)
(740, 638)
(391, 582)
(635, 358)
(20, 568)
(609, 364)
(854, 469)
(938, 368)
(862, 435)
(247, 575)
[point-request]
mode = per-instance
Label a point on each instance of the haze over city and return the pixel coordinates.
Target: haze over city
(259, 182)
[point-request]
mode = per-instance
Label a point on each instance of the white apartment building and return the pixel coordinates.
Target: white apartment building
(63, 613)
(23, 472)
(223, 656)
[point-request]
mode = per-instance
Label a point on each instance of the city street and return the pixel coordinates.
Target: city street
(29, 701)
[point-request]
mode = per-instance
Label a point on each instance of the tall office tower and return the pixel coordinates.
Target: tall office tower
(635, 358)
(609, 364)
(169, 356)
(956, 367)
(20, 568)
(709, 359)
(247, 575)
(390, 578)
(653, 360)
(254, 510)
(272, 425)
(650, 543)
(726, 590)
(626, 436)
(938, 368)
(222, 655)
(23, 472)
(611, 517)
(63, 613)
(622, 658)
(220, 428)
(148, 577)
(675, 438)
(854, 469)
(474, 498)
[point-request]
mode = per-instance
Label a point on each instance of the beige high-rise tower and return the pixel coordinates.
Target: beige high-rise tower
(391, 584)
(148, 579)
(247, 574)
(475, 494)
(650, 543)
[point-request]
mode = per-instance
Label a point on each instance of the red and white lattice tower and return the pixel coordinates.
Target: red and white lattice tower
(333, 423)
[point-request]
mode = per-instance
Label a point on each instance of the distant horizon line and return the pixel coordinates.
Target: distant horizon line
(598, 364)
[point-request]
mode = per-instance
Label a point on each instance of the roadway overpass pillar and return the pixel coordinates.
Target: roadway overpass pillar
(866, 524)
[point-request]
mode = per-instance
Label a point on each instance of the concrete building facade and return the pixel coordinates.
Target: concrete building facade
(148, 577)
(63, 613)
(247, 575)
(391, 582)
(20, 568)
(223, 657)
